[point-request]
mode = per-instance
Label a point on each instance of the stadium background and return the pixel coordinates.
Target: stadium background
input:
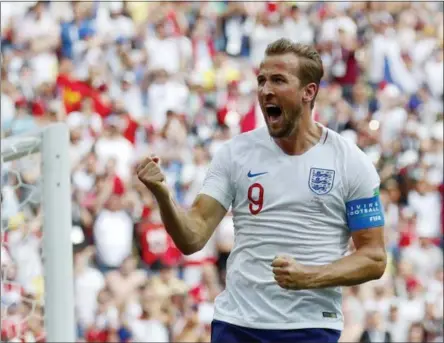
(178, 79)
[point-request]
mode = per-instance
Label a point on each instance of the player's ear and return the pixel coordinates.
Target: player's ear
(310, 91)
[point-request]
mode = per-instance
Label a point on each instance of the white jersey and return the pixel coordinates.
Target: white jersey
(284, 204)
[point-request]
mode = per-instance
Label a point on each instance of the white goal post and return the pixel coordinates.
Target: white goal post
(53, 144)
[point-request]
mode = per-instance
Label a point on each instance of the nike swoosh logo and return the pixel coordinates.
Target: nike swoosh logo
(250, 174)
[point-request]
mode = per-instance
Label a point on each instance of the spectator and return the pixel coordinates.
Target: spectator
(113, 234)
(125, 282)
(425, 257)
(112, 145)
(396, 325)
(88, 283)
(417, 333)
(149, 325)
(374, 331)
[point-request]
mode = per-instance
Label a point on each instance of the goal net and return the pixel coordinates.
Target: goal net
(37, 292)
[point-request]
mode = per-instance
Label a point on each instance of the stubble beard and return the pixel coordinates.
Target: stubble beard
(290, 125)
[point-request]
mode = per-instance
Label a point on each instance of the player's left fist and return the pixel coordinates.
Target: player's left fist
(289, 273)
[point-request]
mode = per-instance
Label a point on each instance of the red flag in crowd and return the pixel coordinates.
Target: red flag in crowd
(73, 91)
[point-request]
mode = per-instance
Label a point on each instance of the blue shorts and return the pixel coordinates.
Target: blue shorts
(222, 332)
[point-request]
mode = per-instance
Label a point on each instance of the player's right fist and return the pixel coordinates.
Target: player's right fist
(149, 173)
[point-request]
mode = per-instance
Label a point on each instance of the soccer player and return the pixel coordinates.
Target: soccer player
(298, 192)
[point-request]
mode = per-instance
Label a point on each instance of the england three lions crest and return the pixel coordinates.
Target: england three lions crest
(321, 180)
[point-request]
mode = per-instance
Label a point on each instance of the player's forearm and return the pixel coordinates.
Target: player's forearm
(184, 228)
(361, 266)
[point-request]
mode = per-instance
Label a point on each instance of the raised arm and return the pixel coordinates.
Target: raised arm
(191, 230)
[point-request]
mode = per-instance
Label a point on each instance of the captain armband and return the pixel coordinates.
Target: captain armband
(364, 213)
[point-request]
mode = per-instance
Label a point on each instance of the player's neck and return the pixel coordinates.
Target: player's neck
(306, 135)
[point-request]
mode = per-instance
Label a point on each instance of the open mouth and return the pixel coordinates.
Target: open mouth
(273, 111)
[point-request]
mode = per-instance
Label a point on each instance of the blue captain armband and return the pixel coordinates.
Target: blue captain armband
(364, 213)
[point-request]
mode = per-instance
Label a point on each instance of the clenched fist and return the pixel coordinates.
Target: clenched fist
(149, 173)
(290, 274)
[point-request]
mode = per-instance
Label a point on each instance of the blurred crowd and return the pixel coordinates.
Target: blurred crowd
(178, 79)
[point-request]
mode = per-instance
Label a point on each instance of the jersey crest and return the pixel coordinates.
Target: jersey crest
(321, 180)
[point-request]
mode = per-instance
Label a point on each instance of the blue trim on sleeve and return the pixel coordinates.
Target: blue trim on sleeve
(364, 213)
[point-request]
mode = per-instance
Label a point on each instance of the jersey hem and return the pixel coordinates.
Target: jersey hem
(321, 324)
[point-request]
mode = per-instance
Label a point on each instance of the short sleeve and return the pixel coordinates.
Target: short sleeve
(217, 183)
(363, 206)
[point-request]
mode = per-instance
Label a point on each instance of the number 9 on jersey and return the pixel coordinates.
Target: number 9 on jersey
(256, 198)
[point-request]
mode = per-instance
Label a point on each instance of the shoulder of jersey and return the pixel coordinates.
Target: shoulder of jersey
(345, 145)
(335, 139)
(249, 137)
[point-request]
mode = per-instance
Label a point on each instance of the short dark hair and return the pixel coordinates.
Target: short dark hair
(310, 68)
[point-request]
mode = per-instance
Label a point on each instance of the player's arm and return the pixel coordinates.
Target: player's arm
(367, 263)
(191, 230)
